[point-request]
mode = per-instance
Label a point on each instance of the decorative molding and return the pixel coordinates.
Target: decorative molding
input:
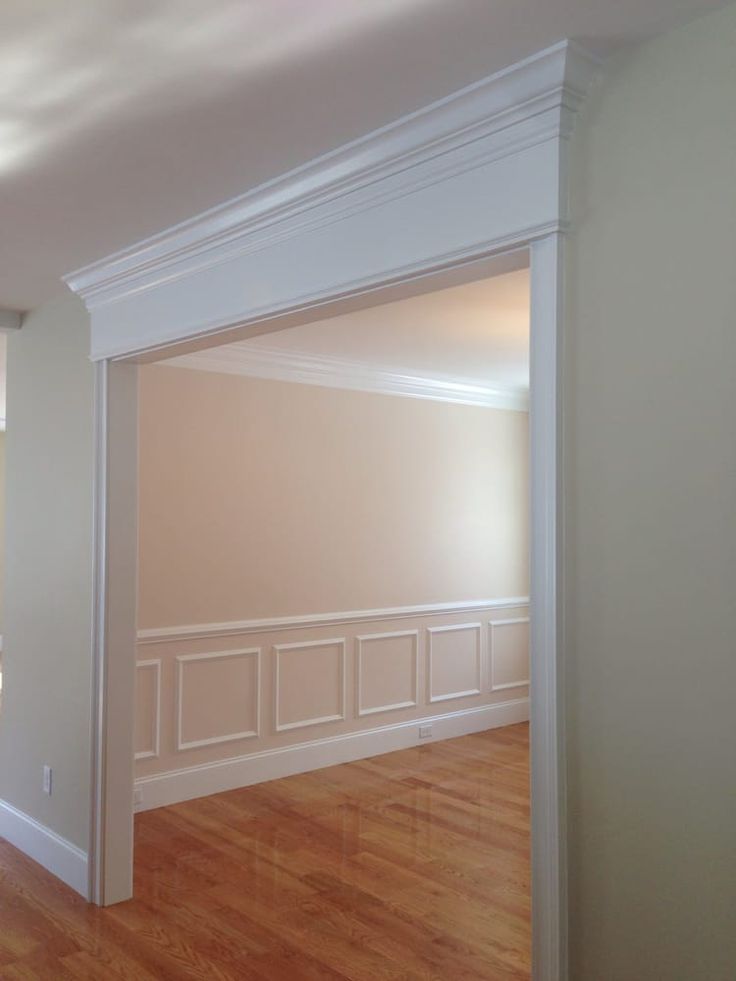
(174, 786)
(164, 635)
(502, 114)
(449, 628)
(279, 364)
(59, 856)
(155, 664)
(279, 649)
(10, 319)
(367, 638)
(181, 661)
(492, 625)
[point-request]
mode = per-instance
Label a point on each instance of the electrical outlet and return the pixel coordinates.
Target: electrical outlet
(47, 780)
(425, 732)
(137, 797)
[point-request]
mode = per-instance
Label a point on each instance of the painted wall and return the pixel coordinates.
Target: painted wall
(262, 499)
(651, 514)
(2, 531)
(48, 558)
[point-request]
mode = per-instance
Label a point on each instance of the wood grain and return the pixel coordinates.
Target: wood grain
(412, 865)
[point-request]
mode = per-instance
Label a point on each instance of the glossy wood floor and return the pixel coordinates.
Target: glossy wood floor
(405, 866)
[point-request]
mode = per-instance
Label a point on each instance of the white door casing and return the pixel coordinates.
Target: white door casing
(473, 176)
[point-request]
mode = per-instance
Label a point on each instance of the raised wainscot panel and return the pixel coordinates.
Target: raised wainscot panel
(218, 697)
(309, 683)
(387, 666)
(509, 647)
(455, 661)
(147, 709)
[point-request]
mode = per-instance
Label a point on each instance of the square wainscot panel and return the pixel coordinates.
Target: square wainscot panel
(386, 670)
(509, 646)
(147, 709)
(309, 683)
(454, 661)
(218, 697)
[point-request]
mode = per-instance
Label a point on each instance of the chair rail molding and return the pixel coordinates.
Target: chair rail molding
(475, 176)
(283, 246)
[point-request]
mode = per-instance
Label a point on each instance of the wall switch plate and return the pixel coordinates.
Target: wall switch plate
(425, 732)
(47, 780)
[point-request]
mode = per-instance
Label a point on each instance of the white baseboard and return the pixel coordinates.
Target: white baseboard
(56, 854)
(174, 786)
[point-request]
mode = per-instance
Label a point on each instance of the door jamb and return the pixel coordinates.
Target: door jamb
(110, 851)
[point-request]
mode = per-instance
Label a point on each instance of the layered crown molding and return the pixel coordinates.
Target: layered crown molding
(522, 106)
(279, 364)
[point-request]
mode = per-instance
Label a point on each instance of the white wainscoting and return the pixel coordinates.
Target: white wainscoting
(455, 661)
(232, 688)
(223, 705)
(173, 786)
(508, 644)
(309, 683)
(148, 714)
(387, 671)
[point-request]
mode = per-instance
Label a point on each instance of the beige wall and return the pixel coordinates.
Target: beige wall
(262, 499)
(48, 558)
(650, 423)
(2, 532)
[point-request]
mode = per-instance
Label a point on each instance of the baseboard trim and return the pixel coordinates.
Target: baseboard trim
(175, 786)
(54, 853)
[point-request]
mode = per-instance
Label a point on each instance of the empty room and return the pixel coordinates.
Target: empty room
(333, 569)
(369, 479)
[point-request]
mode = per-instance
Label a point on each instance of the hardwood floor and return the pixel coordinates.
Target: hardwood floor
(413, 865)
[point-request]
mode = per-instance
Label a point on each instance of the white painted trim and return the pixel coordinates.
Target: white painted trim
(59, 856)
(98, 819)
(163, 635)
(503, 114)
(161, 789)
(359, 641)
(448, 628)
(154, 663)
(278, 650)
(181, 661)
(504, 143)
(278, 364)
(10, 319)
(491, 651)
(547, 646)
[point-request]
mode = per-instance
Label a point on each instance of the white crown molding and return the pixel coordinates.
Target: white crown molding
(163, 635)
(10, 319)
(278, 364)
(529, 103)
(173, 786)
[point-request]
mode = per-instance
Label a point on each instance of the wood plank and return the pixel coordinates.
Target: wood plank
(412, 866)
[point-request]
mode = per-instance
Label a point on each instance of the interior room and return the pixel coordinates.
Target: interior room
(331, 725)
(334, 566)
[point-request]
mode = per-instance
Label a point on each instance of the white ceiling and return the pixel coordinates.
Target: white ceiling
(476, 334)
(119, 118)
